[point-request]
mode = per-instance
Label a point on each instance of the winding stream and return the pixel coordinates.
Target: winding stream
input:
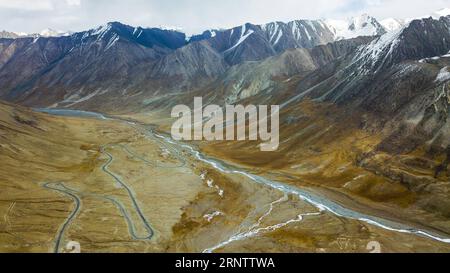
(321, 203)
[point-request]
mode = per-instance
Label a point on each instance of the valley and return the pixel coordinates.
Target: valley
(100, 208)
(362, 163)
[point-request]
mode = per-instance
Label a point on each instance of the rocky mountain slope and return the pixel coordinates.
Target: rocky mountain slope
(400, 74)
(252, 78)
(116, 59)
(239, 44)
(373, 124)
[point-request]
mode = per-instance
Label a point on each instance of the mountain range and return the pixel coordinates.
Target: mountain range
(153, 58)
(350, 63)
(364, 116)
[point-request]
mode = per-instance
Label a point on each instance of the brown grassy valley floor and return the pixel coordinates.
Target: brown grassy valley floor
(75, 179)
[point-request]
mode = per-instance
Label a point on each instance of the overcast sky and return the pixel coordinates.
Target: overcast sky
(194, 16)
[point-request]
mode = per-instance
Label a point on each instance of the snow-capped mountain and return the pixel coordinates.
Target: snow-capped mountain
(406, 40)
(8, 35)
(48, 32)
(251, 42)
(11, 35)
(392, 24)
(363, 25)
(407, 43)
(165, 60)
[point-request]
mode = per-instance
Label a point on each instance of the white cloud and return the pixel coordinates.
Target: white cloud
(73, 2)
(37, 5)
(404, 9)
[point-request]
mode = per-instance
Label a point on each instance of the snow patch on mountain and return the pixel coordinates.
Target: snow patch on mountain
(112, 41)
(444, 75)
(274, 32)
(435, 58)
(102, 29)
(297, 34)
(378, 51)
(244, 35)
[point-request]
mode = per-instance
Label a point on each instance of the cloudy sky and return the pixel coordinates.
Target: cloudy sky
(194, 15)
